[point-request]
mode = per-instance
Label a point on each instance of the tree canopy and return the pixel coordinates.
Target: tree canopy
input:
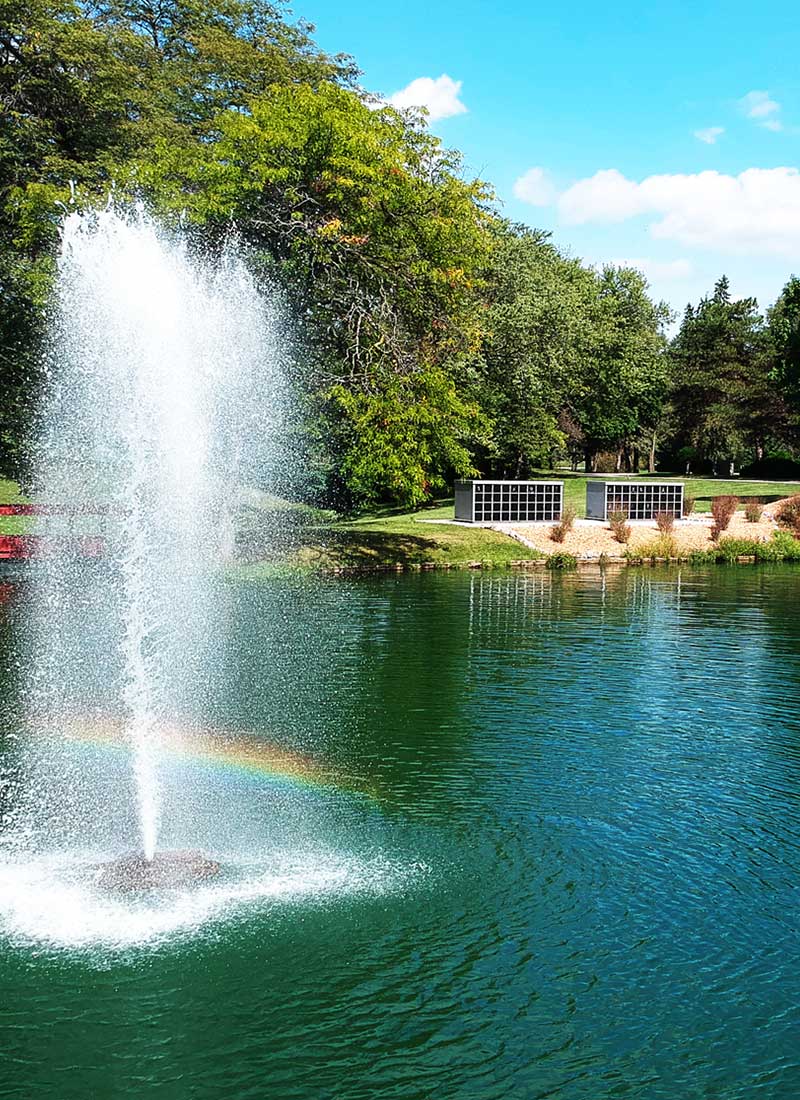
(432, 338)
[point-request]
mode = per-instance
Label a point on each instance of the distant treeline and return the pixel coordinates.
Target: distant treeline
(432, 338)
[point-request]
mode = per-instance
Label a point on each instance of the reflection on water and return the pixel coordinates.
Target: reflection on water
(581, 868)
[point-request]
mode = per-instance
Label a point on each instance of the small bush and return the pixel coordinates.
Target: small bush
(702, 557)
(665, 521)
(730, 549)
(560, 530)
(618, 522)
(753, 511)
(788, 513)
(561, 560)
(664, 546)
(722, 509)
(785, 544)
(688, 504)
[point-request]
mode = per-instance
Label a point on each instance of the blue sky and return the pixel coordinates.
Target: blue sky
(597, 110)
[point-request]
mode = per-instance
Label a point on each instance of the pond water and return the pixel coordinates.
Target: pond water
(543, 841)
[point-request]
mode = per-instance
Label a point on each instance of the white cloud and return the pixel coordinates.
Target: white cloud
(758, 105)
(756, 212)
(662, 270)
(710, 135)
(761, 108)
(439, 96)
(535, 187)
(607, 196)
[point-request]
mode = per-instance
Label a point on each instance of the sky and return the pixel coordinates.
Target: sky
(665, 135)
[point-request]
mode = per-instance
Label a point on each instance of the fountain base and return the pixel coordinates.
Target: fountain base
(133, 873)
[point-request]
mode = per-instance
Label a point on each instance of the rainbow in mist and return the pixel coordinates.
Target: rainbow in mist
(243, 751)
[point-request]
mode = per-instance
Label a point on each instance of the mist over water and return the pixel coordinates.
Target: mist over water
(156, 357)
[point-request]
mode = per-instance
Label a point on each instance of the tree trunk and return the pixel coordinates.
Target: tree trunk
(651, 458)
(618, 464)
(588, 462)
(635, 461)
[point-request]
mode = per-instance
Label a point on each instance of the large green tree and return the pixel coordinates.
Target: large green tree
(726, 406)
(367, 224)
(537, 326)
(783, 329)
(621, 387)
(85, 90)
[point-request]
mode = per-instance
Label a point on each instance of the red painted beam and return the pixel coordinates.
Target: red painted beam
(26, 547)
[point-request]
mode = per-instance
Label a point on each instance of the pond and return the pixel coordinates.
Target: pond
(546, 843)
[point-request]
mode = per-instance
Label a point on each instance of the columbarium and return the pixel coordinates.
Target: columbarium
(639, 500)
(509, 501)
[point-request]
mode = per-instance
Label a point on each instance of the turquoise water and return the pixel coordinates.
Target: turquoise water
(557, 855)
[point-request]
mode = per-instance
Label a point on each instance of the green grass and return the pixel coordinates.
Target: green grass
(405, 538)
(299, 538)
(702, 489)
(12, 525)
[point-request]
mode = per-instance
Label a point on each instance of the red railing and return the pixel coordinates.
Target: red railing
(27, 547)
(59, 510)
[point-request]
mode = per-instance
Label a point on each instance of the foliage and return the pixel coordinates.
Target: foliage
(560, 559)
(688, 504)
(753, 511)
(618, 522)
(783, 322)
(560, 530)
(788, 513)
(665, 522)
(431, 337)
(783, 546)
(661, 548)
(725, 406)
(722, 509)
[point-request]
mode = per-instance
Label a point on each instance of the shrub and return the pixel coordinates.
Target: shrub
(688, 504)
(664, 546)
(730, 549)
(665, 521)
(785, 544)
(702, 557)
(559, 531)
(561, 560)
(753, 511)
(722, 509)
(779, 466)
(788, 513)
(618, 522)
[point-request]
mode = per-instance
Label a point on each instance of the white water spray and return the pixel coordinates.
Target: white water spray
(156, 358)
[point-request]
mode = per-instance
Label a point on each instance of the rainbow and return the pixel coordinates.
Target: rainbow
(242, 751)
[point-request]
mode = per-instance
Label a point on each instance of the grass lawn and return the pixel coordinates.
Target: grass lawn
(388, 537)
(403, 537)
(12, 525)
(702, 489)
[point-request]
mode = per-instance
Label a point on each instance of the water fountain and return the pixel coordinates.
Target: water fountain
(153, 354)
(142, 792)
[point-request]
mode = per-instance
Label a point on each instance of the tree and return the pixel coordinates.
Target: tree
(85, 89)
(726, 407)
(783, 323)
(365, 221)
(618, 395)
(537, 309)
